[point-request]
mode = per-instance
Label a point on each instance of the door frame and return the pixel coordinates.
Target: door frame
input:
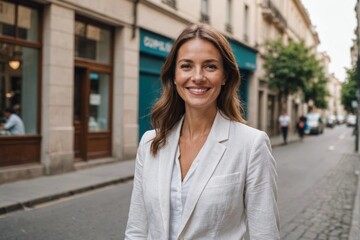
(86, 136)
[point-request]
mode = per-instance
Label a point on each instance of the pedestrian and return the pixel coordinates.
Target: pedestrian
(284, 123)
(202, 173)
(14, 125)
(301, 124)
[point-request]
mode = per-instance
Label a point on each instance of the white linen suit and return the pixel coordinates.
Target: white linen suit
(233, 192)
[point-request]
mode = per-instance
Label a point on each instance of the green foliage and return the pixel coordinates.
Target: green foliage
(348, 90)
(294, 68)
(317, 91)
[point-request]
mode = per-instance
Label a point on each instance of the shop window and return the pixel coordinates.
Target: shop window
(19, 67)
(18, 85)
(92, 42)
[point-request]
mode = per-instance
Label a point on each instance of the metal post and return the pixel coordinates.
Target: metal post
(357, 127)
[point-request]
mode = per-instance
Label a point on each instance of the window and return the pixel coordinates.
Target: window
(228, 25)
(204, 14)
(99, 102)
(19, 65)
(246, 23)
(18, 21)
(92, 42)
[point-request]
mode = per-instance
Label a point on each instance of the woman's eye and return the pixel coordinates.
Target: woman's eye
(211, 67)
(185, 66)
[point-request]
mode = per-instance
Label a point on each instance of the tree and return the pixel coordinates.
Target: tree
(348, 89)
(316, 90)
(290, 68)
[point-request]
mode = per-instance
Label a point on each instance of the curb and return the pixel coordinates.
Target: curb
(37, 201)
(355, 223)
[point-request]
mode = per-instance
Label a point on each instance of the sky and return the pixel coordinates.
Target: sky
(335, 22)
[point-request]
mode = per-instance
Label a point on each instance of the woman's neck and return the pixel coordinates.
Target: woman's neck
(197, 123)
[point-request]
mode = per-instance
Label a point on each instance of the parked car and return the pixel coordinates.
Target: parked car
(340, 118)
(331, 121)
(315, 123)
(351, 120)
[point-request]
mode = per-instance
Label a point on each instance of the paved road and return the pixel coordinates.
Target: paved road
(98, 215)
(317, 182)
(316, 187)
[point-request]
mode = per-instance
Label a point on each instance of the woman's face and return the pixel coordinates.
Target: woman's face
(199, 74)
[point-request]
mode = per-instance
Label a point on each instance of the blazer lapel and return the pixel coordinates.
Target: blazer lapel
(166, 163)
(209, 157)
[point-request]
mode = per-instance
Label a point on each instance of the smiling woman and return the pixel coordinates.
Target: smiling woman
(199, 75)
(211, 176)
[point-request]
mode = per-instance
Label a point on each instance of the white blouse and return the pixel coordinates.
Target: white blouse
(178, 193)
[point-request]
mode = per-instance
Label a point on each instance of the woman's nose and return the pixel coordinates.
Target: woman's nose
(198, 75)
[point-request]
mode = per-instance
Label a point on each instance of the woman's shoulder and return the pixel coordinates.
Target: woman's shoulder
(239, 126)
(245, 131)
(147, 137)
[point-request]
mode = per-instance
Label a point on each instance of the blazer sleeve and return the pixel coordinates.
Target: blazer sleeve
(137, 226)
(261, 191)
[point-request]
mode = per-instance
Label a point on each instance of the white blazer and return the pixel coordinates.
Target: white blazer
(233, 193)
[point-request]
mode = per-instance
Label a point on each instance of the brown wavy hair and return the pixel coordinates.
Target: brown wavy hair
(170, 107)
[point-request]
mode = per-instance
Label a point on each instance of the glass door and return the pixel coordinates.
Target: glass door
(91, 114)
(99, 102)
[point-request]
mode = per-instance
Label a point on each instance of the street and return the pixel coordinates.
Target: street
(316, 187)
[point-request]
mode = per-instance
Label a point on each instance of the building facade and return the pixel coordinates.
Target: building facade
(288, 21)
(88, 72)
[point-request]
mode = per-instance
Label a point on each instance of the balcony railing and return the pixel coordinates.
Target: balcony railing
(228, 28)
(204, 18)
(271, 12)
(246, 37)
(171, 3)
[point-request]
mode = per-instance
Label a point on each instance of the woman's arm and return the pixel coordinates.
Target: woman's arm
(261, 192)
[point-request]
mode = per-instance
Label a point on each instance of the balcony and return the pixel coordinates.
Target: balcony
(272, 14)
(246, 37)
(204, 18)
(171, 3)
(228, 28)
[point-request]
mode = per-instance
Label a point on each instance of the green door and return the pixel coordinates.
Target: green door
(150, 88)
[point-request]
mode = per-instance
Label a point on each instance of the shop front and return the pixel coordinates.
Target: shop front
(153, 50)
(246, 60)
(92, 90)
(20, 81)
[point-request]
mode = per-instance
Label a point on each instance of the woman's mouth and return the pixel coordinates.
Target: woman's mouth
(198, 90)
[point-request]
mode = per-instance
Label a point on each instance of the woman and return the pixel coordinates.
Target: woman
(202, 173)
(301, 124)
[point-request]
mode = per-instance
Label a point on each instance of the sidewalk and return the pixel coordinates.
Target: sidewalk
(28, 193)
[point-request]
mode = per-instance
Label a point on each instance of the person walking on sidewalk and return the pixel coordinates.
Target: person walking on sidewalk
(284, 122)
(202, 173)
(301, 124)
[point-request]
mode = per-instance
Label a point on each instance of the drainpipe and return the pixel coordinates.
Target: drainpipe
(134, 25)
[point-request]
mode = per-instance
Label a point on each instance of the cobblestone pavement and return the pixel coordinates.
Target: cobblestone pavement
(329, 212)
